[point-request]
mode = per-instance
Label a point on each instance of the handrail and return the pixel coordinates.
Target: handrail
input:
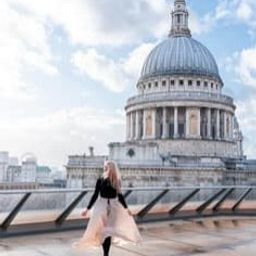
(203, 205)
(91, 189)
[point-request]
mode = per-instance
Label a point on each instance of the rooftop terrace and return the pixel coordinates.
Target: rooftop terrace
(215, 236)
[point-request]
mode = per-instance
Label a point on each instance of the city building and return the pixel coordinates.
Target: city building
(83, 170)
(4, 161)
(28, 174)
(180, 128)
(29, 169)
(43, 175)
(13, 174)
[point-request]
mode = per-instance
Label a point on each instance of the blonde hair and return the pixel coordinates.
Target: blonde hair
(114, 175)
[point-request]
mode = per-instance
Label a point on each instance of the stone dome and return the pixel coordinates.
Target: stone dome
(180, 55)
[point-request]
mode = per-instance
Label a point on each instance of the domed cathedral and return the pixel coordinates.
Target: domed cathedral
(181, 129)
(179, 116)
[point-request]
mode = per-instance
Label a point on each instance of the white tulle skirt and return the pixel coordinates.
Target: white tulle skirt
(109, 219)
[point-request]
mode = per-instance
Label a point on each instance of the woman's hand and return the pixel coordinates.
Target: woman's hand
(84, 212)
(129, 212)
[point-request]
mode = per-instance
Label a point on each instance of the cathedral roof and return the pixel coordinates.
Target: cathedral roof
(180, 54)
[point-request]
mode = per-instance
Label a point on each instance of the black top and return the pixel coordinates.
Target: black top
(103, 186)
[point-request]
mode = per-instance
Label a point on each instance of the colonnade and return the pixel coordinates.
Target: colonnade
(180, 122)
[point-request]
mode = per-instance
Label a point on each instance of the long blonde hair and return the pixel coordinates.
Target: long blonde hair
(114, 175)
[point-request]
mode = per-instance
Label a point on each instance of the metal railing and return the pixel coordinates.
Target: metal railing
(177, 95)
(147, 204)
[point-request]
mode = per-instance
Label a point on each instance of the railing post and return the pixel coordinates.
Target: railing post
(241, 198)
(61, 218)
(203, 206)
(177, 207)
(150, 205)
(8, 220)
(221, 201)
(127, 193)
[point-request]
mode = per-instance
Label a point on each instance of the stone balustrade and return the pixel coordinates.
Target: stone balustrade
(177, 95)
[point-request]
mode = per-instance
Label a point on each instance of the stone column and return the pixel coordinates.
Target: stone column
(199, 123)
(208, 123)
(137, 125)
(225, 125)
(165, 128)
(132, 127)
(176, 122)
(153, 123)
(217, 124)
(232, 127)
(230, 131)
(187, 123)
(144, 125)
(127, 126)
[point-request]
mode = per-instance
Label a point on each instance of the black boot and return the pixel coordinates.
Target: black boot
(106, 246)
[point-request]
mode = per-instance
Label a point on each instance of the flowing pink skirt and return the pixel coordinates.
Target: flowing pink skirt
(109, 220)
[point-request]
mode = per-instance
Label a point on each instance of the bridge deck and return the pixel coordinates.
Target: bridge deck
(219, 236)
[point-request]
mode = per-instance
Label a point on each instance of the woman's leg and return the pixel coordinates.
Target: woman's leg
(106, 246)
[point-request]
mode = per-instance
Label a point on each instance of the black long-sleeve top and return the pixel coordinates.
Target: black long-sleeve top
(105, 189)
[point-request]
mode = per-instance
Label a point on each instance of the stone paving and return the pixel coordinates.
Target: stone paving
(220, 237)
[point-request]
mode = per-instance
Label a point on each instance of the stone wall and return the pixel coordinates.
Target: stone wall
(152, 153)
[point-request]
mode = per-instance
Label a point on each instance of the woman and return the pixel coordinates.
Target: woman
(111, 220)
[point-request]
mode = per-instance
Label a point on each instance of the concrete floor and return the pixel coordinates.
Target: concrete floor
(220, 237)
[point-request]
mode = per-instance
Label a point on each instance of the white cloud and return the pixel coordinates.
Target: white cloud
(100, 22)
(244, 11)
(101, 69)
(26, 33)
(244, 66)
(237, 10)
(222, 10)
(114, 75)
(199, 25)
(225, 11)
(247, 67)
(134, 62)
(23, 47)
(247, 121)
(54, 136)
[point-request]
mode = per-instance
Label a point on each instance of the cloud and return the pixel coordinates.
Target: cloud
(247, 67)
(114, 75)
(28, 27)
(134, 62)
(237, 10)
(100, 22)
(101, 69)
(244, 11)
(71, 131)
(242, 66)
(247, 121)
(230, 11)
(200, 25)
(23, 48)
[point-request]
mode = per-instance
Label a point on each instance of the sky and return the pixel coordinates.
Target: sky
(68, 67)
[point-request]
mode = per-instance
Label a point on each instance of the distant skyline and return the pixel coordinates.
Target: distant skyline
(68, 67)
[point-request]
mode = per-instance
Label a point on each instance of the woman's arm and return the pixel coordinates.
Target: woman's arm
(95, 194)
(122, 200)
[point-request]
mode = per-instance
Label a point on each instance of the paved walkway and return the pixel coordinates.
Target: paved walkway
(220, 237)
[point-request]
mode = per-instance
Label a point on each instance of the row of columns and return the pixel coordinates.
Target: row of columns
(137, 124)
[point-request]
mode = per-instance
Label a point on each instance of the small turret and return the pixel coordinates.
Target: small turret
(180, 19)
